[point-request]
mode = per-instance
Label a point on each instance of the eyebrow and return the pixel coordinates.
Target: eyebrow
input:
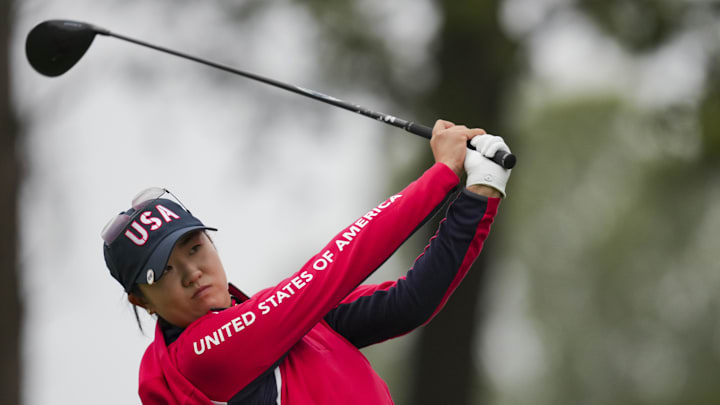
(186, 238)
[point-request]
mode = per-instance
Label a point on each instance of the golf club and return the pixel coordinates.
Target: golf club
(53, 47)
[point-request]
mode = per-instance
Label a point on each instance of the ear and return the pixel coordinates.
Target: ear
(137, 301)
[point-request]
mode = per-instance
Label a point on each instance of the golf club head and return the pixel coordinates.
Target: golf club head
(55, 46)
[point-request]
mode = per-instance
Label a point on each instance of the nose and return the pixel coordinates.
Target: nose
(191, 276)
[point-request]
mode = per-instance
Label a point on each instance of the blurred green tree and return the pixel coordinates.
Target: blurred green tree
(617, 227)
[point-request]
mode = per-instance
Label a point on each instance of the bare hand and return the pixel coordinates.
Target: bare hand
(449, 143)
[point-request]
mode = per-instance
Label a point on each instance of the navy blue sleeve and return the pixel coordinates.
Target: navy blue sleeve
(372, 314)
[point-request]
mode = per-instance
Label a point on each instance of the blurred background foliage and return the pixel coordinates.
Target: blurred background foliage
(599, 282)
(611, 223)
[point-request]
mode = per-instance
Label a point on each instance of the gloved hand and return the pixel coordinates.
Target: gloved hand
(481, 170)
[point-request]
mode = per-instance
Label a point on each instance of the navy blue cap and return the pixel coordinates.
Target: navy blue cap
(140, 252)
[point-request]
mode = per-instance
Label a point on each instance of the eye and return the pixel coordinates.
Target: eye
(195, 248)
(168, 267)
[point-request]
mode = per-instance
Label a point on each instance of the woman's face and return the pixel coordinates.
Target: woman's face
(194, 281)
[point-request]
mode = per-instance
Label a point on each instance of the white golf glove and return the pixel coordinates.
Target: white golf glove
(480, 169)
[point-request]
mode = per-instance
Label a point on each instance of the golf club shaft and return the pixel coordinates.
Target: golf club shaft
(502, 158)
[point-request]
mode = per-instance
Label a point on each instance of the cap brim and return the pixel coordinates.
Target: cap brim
(159, 257)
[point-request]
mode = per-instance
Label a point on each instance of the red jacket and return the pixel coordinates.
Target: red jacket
(304, 334)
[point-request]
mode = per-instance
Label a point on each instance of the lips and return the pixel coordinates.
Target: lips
(200, 290)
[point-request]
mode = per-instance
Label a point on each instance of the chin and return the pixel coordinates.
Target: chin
(217, 300)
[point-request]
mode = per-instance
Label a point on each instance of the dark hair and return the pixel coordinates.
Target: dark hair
(138, 293)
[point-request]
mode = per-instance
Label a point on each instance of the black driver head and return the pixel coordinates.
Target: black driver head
(54, 46)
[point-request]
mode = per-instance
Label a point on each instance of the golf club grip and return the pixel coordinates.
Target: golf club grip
(504, 159)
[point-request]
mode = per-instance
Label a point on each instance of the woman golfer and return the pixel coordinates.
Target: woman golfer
(298, 342)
